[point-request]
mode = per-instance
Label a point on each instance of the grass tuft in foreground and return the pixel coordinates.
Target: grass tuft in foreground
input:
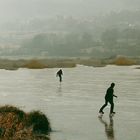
(15, 124)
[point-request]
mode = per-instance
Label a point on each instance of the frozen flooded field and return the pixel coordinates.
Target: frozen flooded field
(73, 106)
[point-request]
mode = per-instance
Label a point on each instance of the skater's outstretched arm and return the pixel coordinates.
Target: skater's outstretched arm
(115, 96)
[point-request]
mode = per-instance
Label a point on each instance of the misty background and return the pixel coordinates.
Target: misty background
(69, 28)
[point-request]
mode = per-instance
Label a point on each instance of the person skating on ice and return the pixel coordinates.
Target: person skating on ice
(109, 99)
(60, 73)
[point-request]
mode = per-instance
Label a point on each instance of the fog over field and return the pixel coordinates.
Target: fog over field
(11, 9)
(55, 28)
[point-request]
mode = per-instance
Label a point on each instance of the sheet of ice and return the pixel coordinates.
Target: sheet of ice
(72, 106)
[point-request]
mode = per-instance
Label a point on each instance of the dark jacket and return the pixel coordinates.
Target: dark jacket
(109, 94)
(59, 73)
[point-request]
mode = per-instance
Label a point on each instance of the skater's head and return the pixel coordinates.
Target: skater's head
(112, 85)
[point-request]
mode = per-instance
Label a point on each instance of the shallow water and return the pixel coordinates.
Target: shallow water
(72, 106)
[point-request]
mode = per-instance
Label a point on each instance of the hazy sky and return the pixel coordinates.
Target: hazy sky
(23, 9)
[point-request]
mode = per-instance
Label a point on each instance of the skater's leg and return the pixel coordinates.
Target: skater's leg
(101, 109)
(60, 78)
(112, 107)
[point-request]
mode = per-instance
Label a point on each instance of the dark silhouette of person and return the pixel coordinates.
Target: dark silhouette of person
(109, 130)
(60, 73)
(109, 98)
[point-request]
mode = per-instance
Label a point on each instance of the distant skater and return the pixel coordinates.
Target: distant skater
(60, 73)
(109, 98)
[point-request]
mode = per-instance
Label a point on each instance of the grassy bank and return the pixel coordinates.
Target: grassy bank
(66, 63)
(15, 124)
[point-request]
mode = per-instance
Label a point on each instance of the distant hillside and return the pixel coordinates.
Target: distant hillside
(114, 34)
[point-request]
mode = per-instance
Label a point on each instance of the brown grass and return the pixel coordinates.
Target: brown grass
(18, 125)
(66, 63)
(124, 61)
(34, 64)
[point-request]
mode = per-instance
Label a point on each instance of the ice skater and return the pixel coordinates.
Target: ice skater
(109, 98)
(60, 73)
